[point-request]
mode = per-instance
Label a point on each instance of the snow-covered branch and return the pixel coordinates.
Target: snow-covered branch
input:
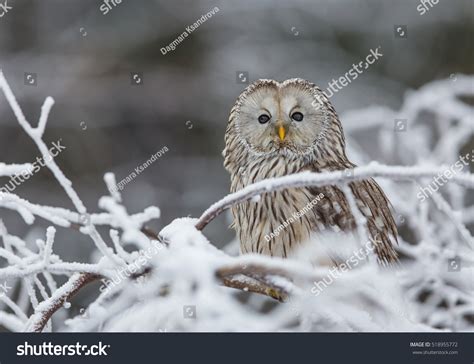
(14, 169)
(307, 179)
(36, 135)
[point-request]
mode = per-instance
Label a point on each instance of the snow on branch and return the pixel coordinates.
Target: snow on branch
(306, 179)
(36, 135)
(7, 170)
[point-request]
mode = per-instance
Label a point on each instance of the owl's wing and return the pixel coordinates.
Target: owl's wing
(334, 210)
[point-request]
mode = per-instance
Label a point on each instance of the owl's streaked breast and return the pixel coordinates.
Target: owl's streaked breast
(269, 226)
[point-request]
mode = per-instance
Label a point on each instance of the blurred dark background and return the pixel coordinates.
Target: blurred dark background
(84, 60)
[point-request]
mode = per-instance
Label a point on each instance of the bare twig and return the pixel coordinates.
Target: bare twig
(255, 287)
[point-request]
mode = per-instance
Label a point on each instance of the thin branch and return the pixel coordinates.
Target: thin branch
(255, 287)
(61, 268)
(66, 184)
(50, 234)
(308, 179)
(7, 170)
(360, 219)
(441, 203)
(47, 308)
(45, 109)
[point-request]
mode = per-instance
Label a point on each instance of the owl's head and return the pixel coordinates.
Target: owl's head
(293, 117)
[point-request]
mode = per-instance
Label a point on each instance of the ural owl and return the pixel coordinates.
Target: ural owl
(277, 129)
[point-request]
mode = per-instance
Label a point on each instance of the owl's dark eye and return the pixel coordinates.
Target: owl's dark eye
(297, 116)
(262, 119)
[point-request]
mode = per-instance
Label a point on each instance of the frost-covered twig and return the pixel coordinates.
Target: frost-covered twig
(59, 268)
(30, 265)
(47, 308)
(360, 219)
(444, 206)
(7, 170)
(36, 134)
(307, 179)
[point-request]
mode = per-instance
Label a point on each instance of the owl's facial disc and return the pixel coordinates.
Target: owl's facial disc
(281, 118)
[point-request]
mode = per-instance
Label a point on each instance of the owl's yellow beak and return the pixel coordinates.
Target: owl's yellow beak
(281, 132)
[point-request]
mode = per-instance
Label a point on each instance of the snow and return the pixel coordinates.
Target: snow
(14, 169)
(183, 288)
